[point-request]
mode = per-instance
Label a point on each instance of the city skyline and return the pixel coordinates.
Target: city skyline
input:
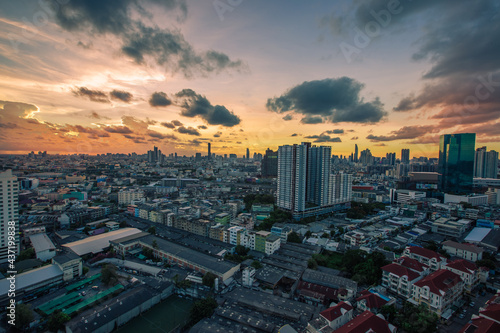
(182, 74)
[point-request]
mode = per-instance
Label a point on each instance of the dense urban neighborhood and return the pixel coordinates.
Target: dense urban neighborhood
(294, 240)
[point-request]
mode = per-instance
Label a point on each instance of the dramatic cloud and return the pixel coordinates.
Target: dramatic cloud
(311, 120)
(118, 129)
(335, 131)
(407, 132)
(328, 100)
(124, 19)
(323, 138)
(168, 125)
(121, 95)
(288, 117)
(188, 130)
(217, 135)
(202, 127)
(159, 99)
(93, 95)
(195, 105)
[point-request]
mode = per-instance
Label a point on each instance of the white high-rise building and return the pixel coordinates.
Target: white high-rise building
(9, 214)
(485, 163)
(306, 186)
(341, 188)
(292, 172)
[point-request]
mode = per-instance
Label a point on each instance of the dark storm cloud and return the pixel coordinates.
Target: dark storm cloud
(93, 95)
(407, 132)
(164, 46)
(195, 105)
(311, 120)
(121, 95)
(217, 135)
(323, 138)
(188, 130)
(159, 99)
(168, 125)
(328, 100)
(202, 127)
(294, 134)
(288, 117)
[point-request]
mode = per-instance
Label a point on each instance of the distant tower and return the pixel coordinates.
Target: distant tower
(405, 156)
(356, 153)
(9, 215)
(248, 154)
(209, 153)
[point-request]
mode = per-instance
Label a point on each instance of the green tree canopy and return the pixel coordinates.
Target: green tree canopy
(108, 274)
(24, 315)
(209, 279)
(56, 320)
(293, 237)
(203, 308)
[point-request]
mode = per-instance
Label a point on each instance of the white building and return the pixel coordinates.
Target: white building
(125, 197)
(44, 248)
(248, 276)
(9, 215)
(464, 251)
(341, 185)
(473, 199)
(292, 167)
(338, 315)
(468, 272)
(273, 244)
(438, 291)
(427, 257)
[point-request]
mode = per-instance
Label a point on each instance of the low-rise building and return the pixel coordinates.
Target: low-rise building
(464, 251)
(427, 257)
(44, 248)
(70, 264)
(438, 291)
(468, 272)
(338, 315)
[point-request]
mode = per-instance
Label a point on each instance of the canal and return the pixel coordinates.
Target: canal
(166, 316)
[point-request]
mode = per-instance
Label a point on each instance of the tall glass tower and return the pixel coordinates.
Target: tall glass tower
(456, 162)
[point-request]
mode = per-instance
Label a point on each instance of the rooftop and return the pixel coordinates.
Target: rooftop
(96, 244)
(41, 242)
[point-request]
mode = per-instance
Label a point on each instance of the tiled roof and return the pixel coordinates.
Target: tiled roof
(464, 246)
(440, 281)
(400, 271)
(365, 322)
(424, 252)
(492, 312)
(463, 265)
(336, 311)
(481, 325)
(373, 301)
(412, 264)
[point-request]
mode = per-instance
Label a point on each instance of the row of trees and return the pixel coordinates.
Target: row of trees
(411, 318)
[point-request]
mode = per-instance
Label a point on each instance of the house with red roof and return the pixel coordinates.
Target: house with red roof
(481, 325)
(370, 301)
(399, 276)
(468, 272)
(338, 315)
(492, 312)
(438, 291)
(427, 257)
(367, 322)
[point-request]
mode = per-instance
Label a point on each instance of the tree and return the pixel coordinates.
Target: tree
(152, 230)
(85, 270)
(108, 274)
(123, 224)
(431, 246)
(257, 265)
(389, 312)
(154, 244)
(203, 308)
(241, 250)
(57, 320)
(26, 254)
(312, 264)
(293, 237)
(308, 234)
(209, 279)
(24, 315)
(325, 235)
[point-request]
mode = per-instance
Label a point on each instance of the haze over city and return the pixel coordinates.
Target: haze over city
(92, 77)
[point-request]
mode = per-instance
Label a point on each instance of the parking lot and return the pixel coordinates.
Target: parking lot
(458, 323)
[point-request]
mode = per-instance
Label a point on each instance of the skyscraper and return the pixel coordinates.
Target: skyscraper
(391, 158)
(269, 166)
(485, 163)
(209, 153)
(405, 156)
(456, 162)
(9, 216)
(248, 154)
(306, 186)
(355, 153)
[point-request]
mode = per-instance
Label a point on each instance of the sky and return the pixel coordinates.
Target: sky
(93, 76)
